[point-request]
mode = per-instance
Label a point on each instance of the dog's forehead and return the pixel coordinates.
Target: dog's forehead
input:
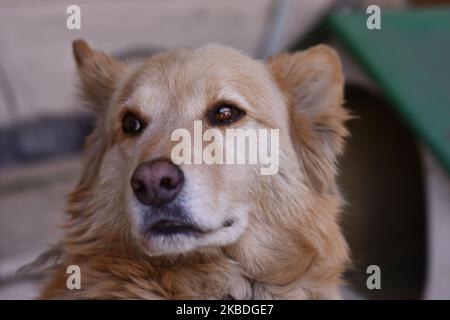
(185, 78)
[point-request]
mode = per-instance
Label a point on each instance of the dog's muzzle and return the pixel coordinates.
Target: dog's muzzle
(156, 185)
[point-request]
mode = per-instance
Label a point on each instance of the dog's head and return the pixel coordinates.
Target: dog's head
(290, 105)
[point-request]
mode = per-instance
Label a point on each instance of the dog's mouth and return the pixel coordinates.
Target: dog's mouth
(173, 230)
(169, 227)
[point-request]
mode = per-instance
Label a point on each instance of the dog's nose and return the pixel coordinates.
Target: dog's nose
(157, 182)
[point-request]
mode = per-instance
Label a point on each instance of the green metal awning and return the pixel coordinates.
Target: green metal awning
(409, 58)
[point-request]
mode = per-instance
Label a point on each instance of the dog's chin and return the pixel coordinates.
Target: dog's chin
(160, 245)
(168, 240)
(171, 230)
(171, 237)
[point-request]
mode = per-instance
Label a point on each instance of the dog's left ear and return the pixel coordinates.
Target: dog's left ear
(313, 84)
(99, 74)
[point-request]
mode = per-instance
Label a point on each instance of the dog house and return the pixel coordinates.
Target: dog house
(396, 171)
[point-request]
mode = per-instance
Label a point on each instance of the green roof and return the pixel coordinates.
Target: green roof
(409, 58)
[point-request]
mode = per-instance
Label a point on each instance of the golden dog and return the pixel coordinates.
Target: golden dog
(141, 227)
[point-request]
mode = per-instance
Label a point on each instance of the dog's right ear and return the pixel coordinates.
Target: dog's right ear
(313, 84)
(99, 74)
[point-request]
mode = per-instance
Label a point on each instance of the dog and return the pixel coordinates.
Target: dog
(140, 226)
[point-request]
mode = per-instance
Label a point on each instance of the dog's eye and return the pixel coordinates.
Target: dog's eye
(131, 124)
(224, 114)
